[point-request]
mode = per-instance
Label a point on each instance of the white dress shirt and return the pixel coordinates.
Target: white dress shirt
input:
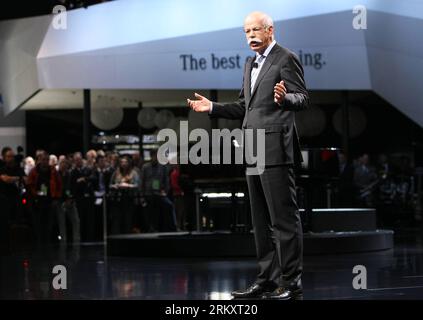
(260, 59)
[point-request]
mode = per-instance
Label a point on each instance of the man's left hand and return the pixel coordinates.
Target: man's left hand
(280, 92)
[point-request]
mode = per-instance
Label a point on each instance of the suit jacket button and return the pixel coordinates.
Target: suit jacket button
(249, 108)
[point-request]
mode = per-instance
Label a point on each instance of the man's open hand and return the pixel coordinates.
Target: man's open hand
(201, 104)
(280, 92)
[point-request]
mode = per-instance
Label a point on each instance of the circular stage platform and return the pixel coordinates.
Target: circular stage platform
(227, 244)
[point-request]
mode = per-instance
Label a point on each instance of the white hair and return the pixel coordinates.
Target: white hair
(53, 159)
(267, 21)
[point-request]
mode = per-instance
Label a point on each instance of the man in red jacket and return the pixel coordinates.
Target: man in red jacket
(45, 187)
(178, 197)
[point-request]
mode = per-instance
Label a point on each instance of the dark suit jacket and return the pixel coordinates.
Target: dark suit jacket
(107, 175)
(259, 111)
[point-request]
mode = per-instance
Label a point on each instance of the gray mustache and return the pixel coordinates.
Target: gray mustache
(254, 40)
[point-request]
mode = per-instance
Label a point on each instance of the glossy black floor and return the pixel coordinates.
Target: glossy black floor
(393, 274)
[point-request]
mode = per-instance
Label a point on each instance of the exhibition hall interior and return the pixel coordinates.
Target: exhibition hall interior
(122, 132)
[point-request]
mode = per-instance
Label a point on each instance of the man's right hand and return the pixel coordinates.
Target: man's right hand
(202, 104)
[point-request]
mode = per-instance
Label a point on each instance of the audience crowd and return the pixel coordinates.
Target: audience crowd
(61, 196)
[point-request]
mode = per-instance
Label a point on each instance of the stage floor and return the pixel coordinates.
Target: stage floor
(224, 244)
(391, 274)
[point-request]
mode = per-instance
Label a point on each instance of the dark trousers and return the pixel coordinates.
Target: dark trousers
(85, 206)
(44, 213)
(5, 214)
(277, 226)
(122, 213)
(160, 213)
(179, 203)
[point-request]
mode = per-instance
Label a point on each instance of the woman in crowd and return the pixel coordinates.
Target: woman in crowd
(124, 186)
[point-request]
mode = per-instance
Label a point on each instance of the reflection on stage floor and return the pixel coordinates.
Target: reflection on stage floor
(391, 274)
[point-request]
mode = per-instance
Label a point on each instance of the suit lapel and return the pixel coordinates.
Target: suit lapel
(247, 77)
(267, 64)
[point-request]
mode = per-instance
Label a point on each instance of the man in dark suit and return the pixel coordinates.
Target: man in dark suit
(273, 87)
